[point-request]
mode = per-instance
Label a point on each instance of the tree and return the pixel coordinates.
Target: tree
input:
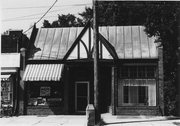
(161, 22)
(68, 20)
(46, 24)
(86, 15)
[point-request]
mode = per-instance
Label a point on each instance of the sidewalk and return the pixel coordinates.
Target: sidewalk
(51, 120)
(118, 120)
(79, 120)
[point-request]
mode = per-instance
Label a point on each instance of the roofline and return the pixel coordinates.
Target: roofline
(98, 26)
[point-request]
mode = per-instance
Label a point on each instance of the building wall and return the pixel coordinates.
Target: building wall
(85, 73)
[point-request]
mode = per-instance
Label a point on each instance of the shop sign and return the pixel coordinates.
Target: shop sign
(45, 91)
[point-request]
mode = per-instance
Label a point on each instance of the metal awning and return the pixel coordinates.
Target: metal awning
(43, 72)
(5, 77)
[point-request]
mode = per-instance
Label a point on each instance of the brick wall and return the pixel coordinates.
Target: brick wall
(161, 81)
(137, 111)
(44, 111)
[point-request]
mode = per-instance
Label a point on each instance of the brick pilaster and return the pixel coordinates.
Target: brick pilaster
(161, 81)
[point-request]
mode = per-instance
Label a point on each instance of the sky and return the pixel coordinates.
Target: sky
(22, 14)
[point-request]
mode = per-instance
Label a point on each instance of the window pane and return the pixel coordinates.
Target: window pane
(141, 72)
(133, 97)
(150, 71)
(142, 94)
(82, 89)
(133, 72)
(126, 91)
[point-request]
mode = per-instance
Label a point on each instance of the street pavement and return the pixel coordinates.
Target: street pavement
(80, 120)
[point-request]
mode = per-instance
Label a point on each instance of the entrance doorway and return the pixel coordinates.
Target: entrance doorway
(81, 95)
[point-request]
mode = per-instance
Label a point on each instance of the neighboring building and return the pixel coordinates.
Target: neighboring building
(59, 71)
(11, 69)
(10, 65)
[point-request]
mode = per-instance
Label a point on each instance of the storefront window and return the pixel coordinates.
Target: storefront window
(45, 94)
(135, 95)
(7, 93)
(137, 86)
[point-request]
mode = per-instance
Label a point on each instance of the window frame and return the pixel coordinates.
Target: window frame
(138, 103)
(129, 69)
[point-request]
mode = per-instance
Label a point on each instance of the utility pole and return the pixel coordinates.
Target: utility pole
(96, 60)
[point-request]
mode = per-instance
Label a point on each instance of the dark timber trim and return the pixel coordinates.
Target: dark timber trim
(108, 46)
(77, 41)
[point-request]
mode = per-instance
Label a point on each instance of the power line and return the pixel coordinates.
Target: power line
(37, 7)
(30, 15)
(33, 18)
(42, 16)
(27, 18)
(9, 19)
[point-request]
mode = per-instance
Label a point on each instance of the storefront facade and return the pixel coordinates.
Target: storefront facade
(59, 72)
(9, 82)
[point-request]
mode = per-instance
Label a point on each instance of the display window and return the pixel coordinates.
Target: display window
(7, 93)
(137, 85)
(45, 94)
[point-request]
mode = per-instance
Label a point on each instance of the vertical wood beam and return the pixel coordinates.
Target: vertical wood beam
(96, 62)
(66, 93)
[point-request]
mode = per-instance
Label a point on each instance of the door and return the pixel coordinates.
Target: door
(81, 95)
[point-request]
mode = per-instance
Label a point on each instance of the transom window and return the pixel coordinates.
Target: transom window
(137, 72)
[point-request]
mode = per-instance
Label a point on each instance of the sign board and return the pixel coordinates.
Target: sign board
(45, 91)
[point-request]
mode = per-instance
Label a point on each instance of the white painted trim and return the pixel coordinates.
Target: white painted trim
(88, 95)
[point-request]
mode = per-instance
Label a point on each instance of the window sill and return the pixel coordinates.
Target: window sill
(138, 107)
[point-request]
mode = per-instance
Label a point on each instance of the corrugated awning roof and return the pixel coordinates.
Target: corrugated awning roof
(129, 42)
(43, 72)
(5, 77)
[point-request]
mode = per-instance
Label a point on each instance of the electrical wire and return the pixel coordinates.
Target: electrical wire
(33, 18)
(10, 19)
(37, 7)
(30, 18)
(42, 16)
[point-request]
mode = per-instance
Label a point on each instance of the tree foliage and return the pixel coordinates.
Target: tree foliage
(68, 20)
